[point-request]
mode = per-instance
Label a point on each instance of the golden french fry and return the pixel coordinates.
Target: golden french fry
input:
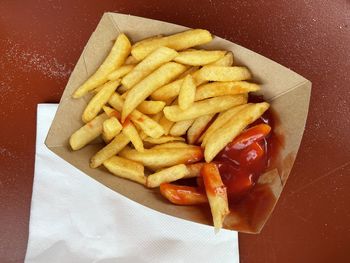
(126, 169)
(194, 170)
(159, 158)
(111, 112)
(151, 106)
(187, 93)
(149, 126)
(166, 124)
(226, 133)
(191, 70)
(129, 130)
(216, 193)
(153, 61)
(168, 91)
(120, 72)
(163, 139)
(220, 73)
(156, 117)
(197, 128)
(111, 128)
(171, 145)
(114, 60)
(145, 40)
(88, 132)
(221, 120)
(111, 149)
(180, 127)
(179, 41)
(99, 100)
(226, 61)
(130, 60)
(204, 107)
(148, 85)
(215, 89)
(199, 57)
(167, 175)
(182, 194)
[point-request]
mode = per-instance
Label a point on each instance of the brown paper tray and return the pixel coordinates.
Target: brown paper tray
(288, 93)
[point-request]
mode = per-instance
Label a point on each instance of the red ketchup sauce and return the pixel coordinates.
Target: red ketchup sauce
(243, 160)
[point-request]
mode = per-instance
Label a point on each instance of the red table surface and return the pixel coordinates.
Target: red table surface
(40, 42)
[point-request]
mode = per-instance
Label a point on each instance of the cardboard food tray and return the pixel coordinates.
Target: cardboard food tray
(288, 93)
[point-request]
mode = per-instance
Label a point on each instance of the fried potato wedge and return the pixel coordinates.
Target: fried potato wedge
(167, 175)
(125, 168)
(226, 133)
(116, 58)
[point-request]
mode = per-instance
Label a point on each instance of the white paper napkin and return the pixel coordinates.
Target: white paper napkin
(76, 219)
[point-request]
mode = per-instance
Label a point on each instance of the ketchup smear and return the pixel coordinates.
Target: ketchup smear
(243, 160)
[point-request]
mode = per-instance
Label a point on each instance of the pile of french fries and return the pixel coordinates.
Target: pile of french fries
(162, 105)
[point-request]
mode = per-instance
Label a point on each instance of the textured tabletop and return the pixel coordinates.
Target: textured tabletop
(40, 42)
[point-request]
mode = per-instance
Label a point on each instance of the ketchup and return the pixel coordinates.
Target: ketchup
(243, 160)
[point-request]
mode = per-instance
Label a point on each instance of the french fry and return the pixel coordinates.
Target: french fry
(215, 89)
(166, 124)
(204, 107)
(199, 57)
(189, 71)
(111, 149)
(226, 133)
(153, 61)
(129, 130)
(180, 127)
(126, 169)
(111, 112)
(221, 120)
(163, 139)
(99, 100)
(148, 85)
(120, 72)
(158, 116)
(130, 60)
(171, 145)
(149, 126)
(114, 60)
(183, 195)
(194, 170)
(168, 91)
(151, 106)
(226, 61)
(111, 128)
(220, 73)
(160, 158)
(197, 128)
(87, 133)
(180, 41)
(216, 193)
(167, 175)
(187, 93)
